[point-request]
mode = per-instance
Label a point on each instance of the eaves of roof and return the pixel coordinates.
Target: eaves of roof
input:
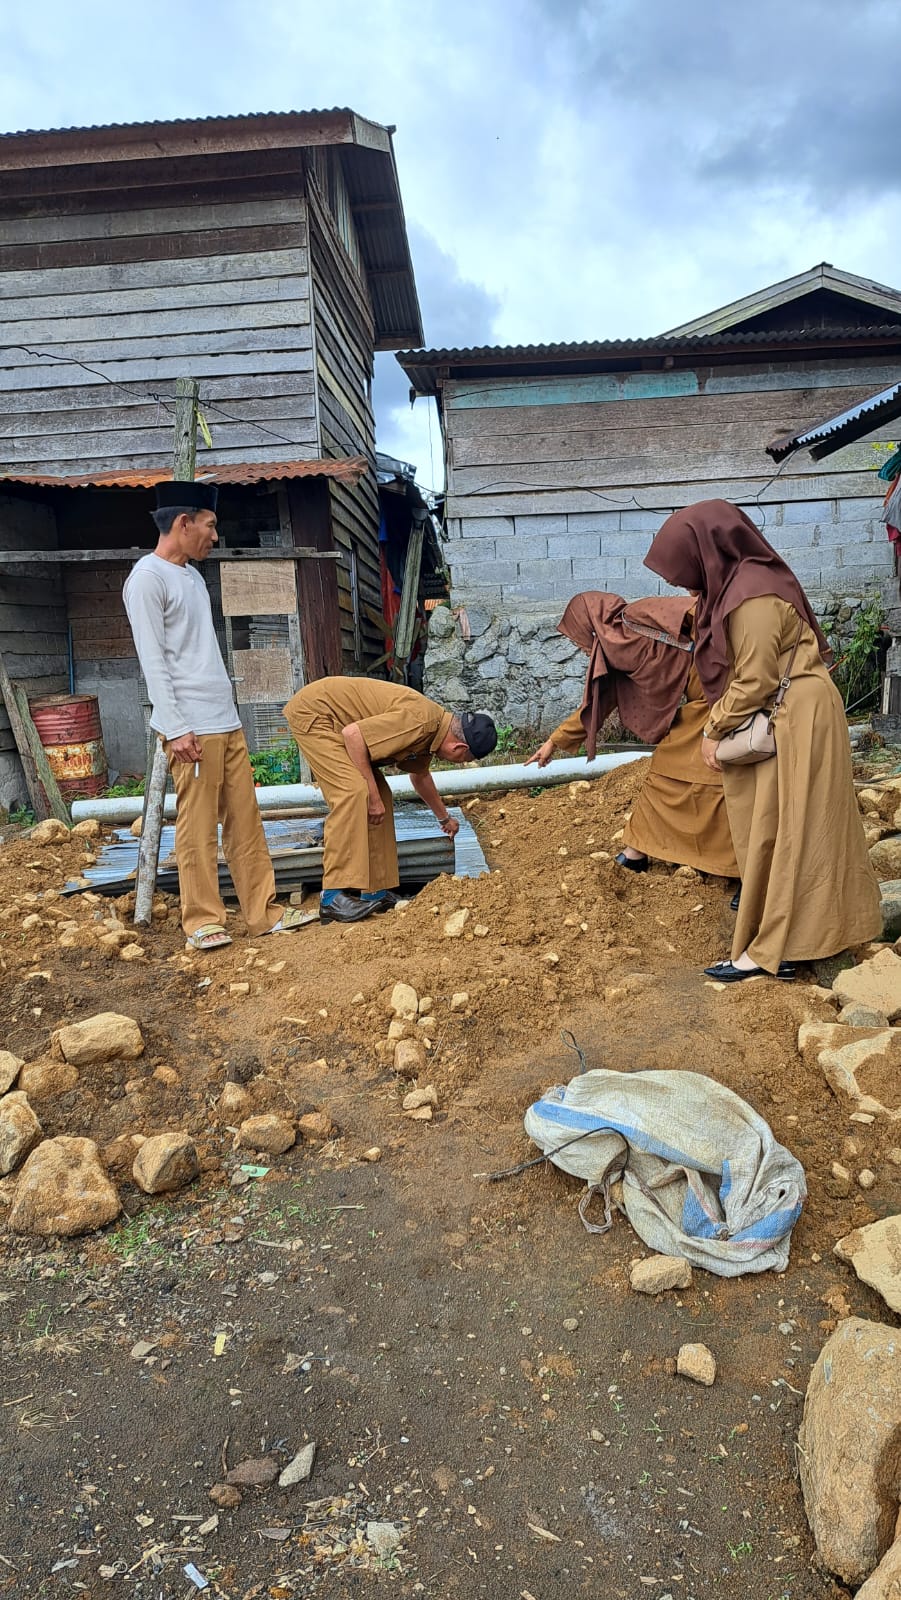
(349, 469)
(826, 437)
(424, 367)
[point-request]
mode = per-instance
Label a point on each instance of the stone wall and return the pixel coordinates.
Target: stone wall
(521, 671)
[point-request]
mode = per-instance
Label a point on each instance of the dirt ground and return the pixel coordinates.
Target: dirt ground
(469, 1362)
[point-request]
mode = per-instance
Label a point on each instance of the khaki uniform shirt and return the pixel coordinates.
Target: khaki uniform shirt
(398, 725)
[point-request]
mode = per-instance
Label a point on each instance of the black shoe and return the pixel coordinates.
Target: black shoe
(384, 901)
(344, 908)
(726, 972)
(641, 865)
(735, 901)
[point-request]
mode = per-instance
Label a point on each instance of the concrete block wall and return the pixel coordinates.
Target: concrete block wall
(836, 547)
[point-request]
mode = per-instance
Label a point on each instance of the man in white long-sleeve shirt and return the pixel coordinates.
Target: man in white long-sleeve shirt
(194, 712)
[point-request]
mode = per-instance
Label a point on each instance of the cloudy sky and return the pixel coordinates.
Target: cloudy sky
(570, 170)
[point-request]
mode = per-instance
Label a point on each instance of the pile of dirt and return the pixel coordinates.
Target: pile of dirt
(556, 937)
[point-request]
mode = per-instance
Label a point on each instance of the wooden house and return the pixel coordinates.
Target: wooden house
(267, 258)
(563, 460)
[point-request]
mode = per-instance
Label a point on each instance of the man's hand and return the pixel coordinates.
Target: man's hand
(709, 756)
(375, 810)
(542, 755)
(450, 826)
(186, 748)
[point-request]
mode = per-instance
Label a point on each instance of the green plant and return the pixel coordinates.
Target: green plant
(126, 789)
(22, 816)
(279, 764)
(856, 671)
(507, 739)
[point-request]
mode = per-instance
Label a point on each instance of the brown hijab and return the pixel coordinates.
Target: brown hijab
(714, 549)
(639, 661)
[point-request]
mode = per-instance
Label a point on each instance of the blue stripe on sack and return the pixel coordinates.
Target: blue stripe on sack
(695, 1220)
(568, 1117)
(774, 1226)
(726, 1185)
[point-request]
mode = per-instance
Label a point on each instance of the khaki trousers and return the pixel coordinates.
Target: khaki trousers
(356, 856)
(222, 792)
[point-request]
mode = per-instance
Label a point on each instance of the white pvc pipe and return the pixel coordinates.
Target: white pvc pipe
(459, 780)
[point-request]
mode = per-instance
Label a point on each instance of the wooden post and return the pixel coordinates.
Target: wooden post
(409, 595)
(46, 800)
(183, 466)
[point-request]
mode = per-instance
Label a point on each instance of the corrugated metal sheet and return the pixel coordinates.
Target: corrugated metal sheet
(232, 120)
(827, 437)
(420, 365)
(348, 469)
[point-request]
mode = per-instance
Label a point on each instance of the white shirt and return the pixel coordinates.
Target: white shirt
(172, 623)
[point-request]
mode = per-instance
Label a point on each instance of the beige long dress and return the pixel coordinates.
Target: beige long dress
(808, 889)
(680, 813)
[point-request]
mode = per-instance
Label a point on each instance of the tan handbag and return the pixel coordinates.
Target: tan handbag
(754, 739)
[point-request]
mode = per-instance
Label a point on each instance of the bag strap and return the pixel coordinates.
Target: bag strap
(659, 635)
(785, 680)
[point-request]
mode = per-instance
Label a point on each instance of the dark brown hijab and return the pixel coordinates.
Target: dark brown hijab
(639, 661)
(714, 549)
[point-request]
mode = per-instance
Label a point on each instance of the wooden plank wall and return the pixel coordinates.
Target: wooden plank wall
(215, 289)
(651, 440)
(344, 343)
(32, 610)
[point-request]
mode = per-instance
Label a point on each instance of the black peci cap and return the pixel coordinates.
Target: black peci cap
(479, 732)
(186, 496)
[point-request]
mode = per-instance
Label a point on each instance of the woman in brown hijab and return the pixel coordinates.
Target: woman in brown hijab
(640, 664)
(808, 889)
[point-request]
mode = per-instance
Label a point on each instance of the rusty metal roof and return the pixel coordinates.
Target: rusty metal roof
(347, 469)
(519, 360)
(827, 437)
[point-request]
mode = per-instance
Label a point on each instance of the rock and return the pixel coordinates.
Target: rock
(226, 1496)
(885, 1582)
(894, 1155)
(383, 1537)
(268, 1133)
(875, 983)
(89, 829)
(254, 1473)
(841, 1180)
(49, 832)
(63, 1189)
(885, 858)
(860, 1065)
(849, 1472)
(409, 1058)
(238, 989)
(401, 1028)
(695, 1361)
(316, 1125)
(165, 1161)
(404, 1001)
(374, 1153)
(460, 1001)
(300, 1470)
(428, 1027)
(455, 924)
(570, 1324)
(233, 1101)
(358, 999)
(119, 1154)
(10, 1067)
(136, 827)
(866, 1178)
(420, 1097)
(579, 787)
(43, 1080)
(20, 1131)
(108, 1036)
(166, 1075)
(857, 1015)
(132, 952)
(890, 893)
(657, 1273)
(419, 1114)
(875, 1254)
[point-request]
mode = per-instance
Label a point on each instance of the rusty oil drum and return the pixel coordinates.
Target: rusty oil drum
(69, 729)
